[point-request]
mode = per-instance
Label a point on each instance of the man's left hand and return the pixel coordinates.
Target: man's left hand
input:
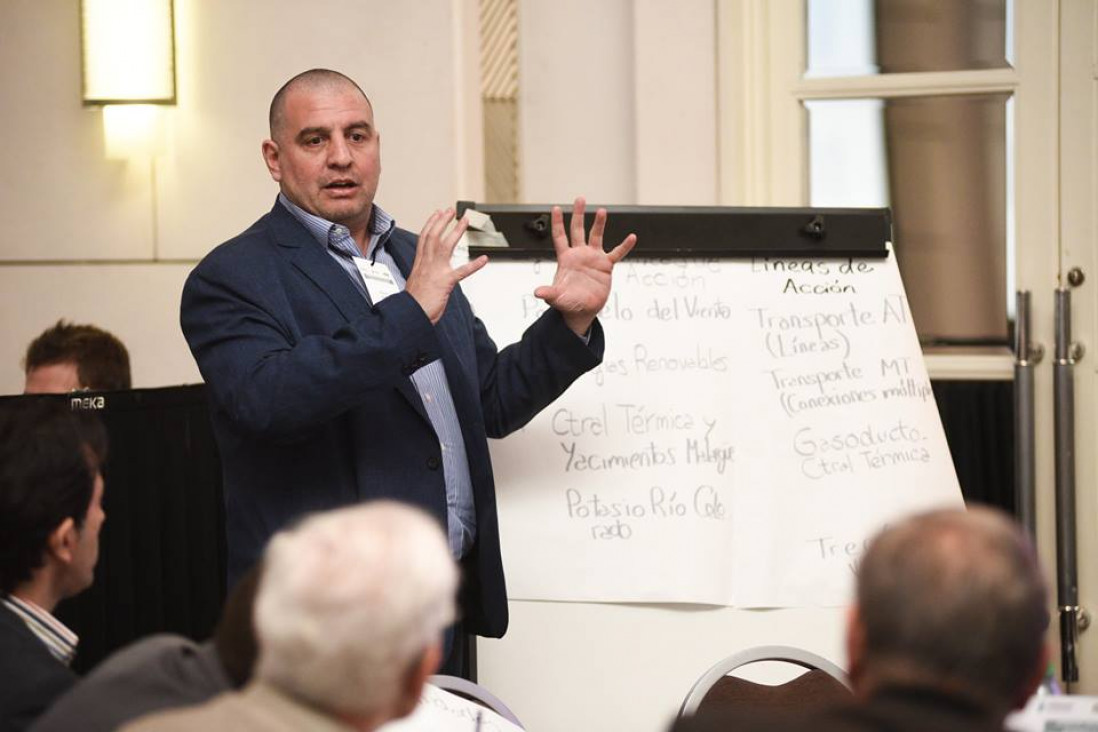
(581, 284)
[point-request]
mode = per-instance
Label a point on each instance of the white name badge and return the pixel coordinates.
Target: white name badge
(379, 280)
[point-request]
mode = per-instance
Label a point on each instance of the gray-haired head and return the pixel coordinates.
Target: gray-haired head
(956, 598)
(349, 603)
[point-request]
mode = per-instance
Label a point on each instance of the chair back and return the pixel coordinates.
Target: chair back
(822, 684)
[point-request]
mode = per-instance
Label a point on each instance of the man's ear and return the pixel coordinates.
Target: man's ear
(855, 645)
(416, 678)
(62, 541)
(270, 157)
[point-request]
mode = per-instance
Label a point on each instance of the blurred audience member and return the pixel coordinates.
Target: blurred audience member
(162, 672)
(349, 615)
(69, 357)
(51, 493)
(947, 632)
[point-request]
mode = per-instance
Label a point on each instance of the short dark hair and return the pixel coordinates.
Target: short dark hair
(311, 78)
(957, 597)
(102, 362)
(49, 457)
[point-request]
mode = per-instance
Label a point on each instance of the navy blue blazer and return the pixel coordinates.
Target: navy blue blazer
(312, 403)
(30, 677)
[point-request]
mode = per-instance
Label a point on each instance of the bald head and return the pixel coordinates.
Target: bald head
(955, 597)
(311, 80)
(325, 151)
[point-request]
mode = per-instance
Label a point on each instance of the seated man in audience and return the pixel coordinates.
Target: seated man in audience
(349, 617)
(947, 632)
(162, 672)
(51, 494)
(70, 357)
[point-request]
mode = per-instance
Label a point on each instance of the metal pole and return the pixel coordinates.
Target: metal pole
(1066, 569)
(1026, 356)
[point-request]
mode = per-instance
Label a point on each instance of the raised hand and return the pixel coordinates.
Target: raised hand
(581, 284)
(432, 279)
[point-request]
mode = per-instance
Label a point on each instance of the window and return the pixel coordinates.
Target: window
(908, 104)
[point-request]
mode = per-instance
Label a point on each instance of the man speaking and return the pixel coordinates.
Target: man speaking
(344, 362)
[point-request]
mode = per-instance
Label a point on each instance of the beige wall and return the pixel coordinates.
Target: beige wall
(576, 100)
(618, 101)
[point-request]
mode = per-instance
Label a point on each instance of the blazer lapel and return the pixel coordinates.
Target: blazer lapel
(313, 261)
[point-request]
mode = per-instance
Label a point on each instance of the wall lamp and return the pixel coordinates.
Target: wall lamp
(128, 62)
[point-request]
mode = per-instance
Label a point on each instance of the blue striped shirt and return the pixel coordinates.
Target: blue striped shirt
(60, 641)
(430, 381)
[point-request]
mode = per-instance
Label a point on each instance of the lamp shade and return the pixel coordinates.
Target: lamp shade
(128, 51)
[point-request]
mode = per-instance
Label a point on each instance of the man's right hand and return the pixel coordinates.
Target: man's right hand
(432, 279)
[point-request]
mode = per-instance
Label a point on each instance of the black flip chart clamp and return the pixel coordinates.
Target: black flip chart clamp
(700, 231)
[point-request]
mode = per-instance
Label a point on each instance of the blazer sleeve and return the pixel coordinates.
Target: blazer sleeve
(520, 380)
(271, 379)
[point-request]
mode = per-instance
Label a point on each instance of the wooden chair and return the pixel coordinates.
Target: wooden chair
(822, 684)
(474, 693)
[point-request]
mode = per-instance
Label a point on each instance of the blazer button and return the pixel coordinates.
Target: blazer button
(433, 462)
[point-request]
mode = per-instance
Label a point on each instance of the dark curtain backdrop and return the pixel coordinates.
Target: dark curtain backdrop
(978, 417)
(162, 548)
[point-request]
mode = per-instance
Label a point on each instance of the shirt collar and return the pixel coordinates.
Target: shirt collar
(380, 226)
(58, 639)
